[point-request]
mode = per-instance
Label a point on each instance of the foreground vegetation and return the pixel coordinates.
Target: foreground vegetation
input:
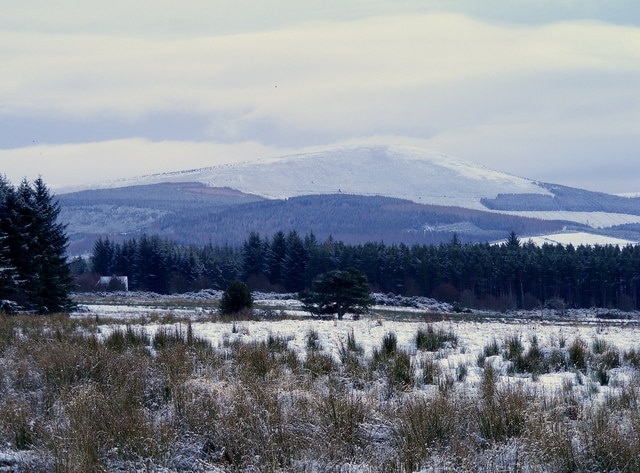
(133, 398)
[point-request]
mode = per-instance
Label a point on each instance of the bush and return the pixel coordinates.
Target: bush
(422, 426)
(319, 363)
(431, 340)
(235, 298)
(578, 354)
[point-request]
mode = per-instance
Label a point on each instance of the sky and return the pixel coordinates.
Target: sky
(543, 89)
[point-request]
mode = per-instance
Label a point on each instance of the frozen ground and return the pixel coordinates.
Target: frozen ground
(474, 332)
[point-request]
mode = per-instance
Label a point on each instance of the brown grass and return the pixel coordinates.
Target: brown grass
(77, 401)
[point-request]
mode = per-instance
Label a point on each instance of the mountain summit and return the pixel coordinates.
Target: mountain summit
(392, 171)
(357, 194)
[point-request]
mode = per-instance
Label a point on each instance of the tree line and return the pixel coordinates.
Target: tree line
(33, 263)
(504, 276)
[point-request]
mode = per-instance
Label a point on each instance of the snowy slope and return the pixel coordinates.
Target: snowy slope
(393, 171)
(421, 176)
(580, 238)
(590, 219)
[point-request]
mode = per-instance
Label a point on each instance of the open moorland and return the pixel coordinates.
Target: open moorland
(150, 383)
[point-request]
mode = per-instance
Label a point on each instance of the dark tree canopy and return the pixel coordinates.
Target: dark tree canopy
(33, 248)
(339, 292)
(235, 298)
(516, 274)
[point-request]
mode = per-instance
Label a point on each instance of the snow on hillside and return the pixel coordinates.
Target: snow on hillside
(403, 172)
(591, 219)
(393, 171)
(580, 238)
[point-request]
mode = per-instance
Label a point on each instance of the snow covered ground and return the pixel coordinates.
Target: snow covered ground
(575, 239)
(473, 331)
(591, 219)
(580, 238)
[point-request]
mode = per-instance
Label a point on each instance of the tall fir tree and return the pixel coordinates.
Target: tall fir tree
(36, 245)
(294, 264)
(275, 256)
(52, 295)
(8, 274)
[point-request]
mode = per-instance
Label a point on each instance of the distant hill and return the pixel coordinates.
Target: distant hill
(358, 194)
(564, 198)
(392, 171)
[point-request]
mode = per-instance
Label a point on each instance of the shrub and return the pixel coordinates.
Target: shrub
(277, 343)
(352, 344)
(341, 420)
(461, 372)
(254, 360)
(430, 370)
(313, 340)
(389, 344)
(319, 363)
(632, 357)
(431, 340)
(578, 354)
(399, 372)
(610, 358)
(599, 346)
(502, 412)
(121, 340)
(235, 298)
(492, 349)
(422, 426)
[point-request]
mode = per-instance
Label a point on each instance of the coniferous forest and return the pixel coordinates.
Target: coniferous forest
(507, 276)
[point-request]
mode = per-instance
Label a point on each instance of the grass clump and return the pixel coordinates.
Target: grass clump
(75, 401)
(313, 340)
(429, 339)
(491, 349)
(129, 338)
(578, 354)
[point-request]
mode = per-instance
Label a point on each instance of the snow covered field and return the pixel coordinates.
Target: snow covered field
(474, 333)
(141, 382)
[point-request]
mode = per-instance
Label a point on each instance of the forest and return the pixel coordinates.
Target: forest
(512, 275)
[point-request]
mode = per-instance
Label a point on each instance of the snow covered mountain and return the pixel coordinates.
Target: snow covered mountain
(370, 193)
(407, 173)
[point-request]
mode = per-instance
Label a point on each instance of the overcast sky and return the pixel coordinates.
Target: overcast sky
(543, 89)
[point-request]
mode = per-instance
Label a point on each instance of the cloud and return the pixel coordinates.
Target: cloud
(465, 86)
(332, 67)
(65, 167)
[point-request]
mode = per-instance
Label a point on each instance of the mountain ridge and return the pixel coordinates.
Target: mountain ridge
(393, 171)
(399, 194)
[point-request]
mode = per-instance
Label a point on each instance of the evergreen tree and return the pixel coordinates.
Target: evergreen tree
(339, 292)
(51, 249)
(235, 298)
(36, 246)
(275, 257)
(103, 257)
(7, 271)
(294, 264)
(253, 256)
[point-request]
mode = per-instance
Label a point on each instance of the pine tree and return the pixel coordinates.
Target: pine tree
(8, 274)
(339, 292)
(55, 276)
(235, 298)
(36, 245)
(103, 257)
(275, 257)
(294, 265)
(253, 256)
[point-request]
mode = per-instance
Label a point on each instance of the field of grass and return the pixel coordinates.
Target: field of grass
(186, 394)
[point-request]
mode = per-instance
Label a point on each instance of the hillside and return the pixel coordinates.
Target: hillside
(382, 193)
(406, 173)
